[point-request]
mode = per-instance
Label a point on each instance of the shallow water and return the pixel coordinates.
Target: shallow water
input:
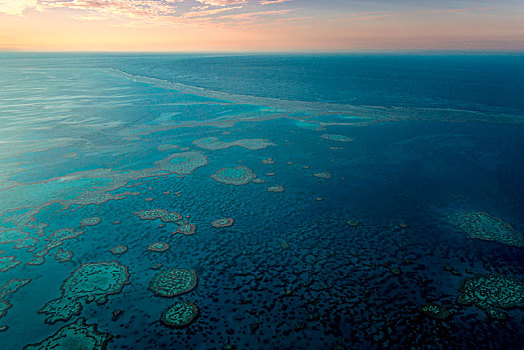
(405, 139)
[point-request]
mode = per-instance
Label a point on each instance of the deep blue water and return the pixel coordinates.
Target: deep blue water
(431, 136)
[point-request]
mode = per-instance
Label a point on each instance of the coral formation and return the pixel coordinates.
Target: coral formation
(64, 234)
(7, 263)
(483, 226)
(38, 260)
(436, 311)
(11, 236)
(185, 228)
(119, 249)
(63, 255)
(92, 221)
(213, 143)
(12, 286)
(158, 247)
(172, 282)
(162, 214)
(276, 189)
(77, 335)
(308, 125)
(90, 282)
(182, 163)
(180, 314)
(225, 222)
(492, 293)
(239, 175)
(332, 137)
(323, 175)
(27, 243)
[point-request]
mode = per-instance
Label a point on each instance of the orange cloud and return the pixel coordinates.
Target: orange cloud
(206, 13)
(222, 2)
(16, 7)
(142, 8)
(269, 2)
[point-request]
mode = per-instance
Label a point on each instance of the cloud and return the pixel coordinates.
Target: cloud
(16, 7)
(270, 2)
(222, 2)
(141, 8)
(206, 13)
(251, 15)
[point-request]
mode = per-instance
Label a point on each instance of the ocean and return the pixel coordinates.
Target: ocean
(249, 201)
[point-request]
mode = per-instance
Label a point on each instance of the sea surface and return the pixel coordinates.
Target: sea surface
(361, 187)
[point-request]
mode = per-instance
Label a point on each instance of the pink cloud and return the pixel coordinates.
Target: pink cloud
(206, 13)
(269, 2)
(141, 8)
(222, 2)
(251, 15)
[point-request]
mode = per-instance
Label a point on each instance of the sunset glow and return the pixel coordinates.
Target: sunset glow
(260, 25)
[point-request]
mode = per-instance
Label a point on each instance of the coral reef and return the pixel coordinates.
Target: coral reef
(63, 255)
(77, 335)
(158, 247)
(239, 175)
(225, 222)
(182, 163)
(12, 286)
(4, 306)
(27, 243)
(90, 282)
(483, 226)
(38, 260)
(64, 234)
(180, 314)
(7, 263)
(172, 282)
(213, 143)
(11, 236)
(276, 189)
(436, 311)
(309, 125)
(162, 214)
(119, 249)
(492, 293)
(323, 175)
(92, 221)
(185, 228)
(332, 137)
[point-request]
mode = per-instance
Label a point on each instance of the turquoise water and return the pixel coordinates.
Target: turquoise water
(376, 155)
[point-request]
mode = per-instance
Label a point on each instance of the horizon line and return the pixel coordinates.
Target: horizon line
(249, 52)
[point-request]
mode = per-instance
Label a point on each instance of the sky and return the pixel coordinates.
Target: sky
(261, 25)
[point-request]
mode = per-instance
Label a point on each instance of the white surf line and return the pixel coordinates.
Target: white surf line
(372, 113)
